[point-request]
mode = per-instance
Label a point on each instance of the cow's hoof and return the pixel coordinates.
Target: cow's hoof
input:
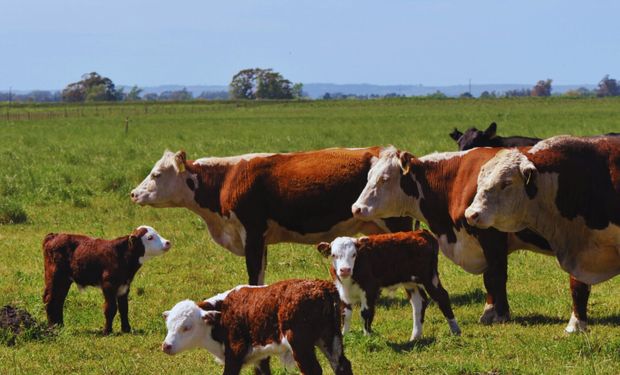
(575, 325)
(126, 329)
(488, 315)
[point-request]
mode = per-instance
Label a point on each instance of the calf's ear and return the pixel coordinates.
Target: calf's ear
(211, 317)
(324, 248)
(456, 134)
(405, 162)
(361, 242)
(179, 161)
(491, 130)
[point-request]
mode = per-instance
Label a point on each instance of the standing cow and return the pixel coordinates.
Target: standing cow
(436, 189)
(568, 190)
(489, 138)
(251, 201)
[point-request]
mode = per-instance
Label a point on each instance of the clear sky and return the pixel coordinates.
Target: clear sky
(47, 44)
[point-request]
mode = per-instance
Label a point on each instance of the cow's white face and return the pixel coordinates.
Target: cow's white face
(502, 193)
(188, 327)
(343, 252)
(154, 244)
(383, 196)
(167, 184)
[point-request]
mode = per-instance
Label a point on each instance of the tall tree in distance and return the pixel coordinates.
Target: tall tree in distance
(92, 87)
(607, 87)
(260, 84)
(542, 88)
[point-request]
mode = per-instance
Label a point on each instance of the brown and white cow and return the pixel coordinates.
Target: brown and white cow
(251, 201)
(436, 189)
(567, 189)
(248, 324)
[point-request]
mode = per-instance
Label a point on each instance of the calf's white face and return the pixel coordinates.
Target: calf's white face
(502, 193)
(166, 185)
(343, 252)
(188, 327)
(154, 244)
(382, 196)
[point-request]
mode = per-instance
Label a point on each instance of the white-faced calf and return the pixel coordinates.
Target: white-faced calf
(362, 267)
(248, 324)
(108, 264)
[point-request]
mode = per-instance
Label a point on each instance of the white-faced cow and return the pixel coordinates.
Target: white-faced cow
(250, 201)
(566, 189)
(436, 189)
(488, 138)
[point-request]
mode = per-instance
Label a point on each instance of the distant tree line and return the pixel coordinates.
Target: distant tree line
(261, 84)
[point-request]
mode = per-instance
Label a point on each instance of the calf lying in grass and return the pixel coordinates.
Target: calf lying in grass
(248, 324)
(108, 264)
(362, 267)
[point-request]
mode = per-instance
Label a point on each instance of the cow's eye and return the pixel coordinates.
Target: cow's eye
(354, 255)
(186, 328)
(150, 237)
(505, 184)
(155, 174)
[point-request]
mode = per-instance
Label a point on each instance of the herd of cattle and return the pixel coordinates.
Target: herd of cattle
(559, 196)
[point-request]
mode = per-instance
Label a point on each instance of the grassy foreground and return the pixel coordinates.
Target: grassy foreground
(74, 174)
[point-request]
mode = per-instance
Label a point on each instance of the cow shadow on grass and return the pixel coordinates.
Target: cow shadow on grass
(411, 346)
(98, 332)
(397, 298)
(476, 296)
(609, 320)
(539, 319)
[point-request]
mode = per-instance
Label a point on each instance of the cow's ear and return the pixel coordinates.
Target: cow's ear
(361, 242)
(165, 314)
(324, 248)
(491, 130)
(405, 162)
(211, 317)
(530, 176)
(179, 161)
(456, 134)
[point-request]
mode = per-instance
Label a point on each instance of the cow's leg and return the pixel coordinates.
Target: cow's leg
(263, 368)
(441, 296)
(579, 318)
(347, 312)
(123, 310)
(109, 306)
(256, 259)
(368, 301)
(333, 350)
(305, 357)
(417, 307)
(495, 277)
(57, 286)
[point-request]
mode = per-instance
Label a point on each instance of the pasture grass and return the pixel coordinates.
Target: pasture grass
(74, 174)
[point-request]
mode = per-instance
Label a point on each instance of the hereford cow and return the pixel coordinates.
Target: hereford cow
(248, 324)
(107, 264)
(566, 189)
(253, 200)
(488, 138)
(362, 267)
(436, 189)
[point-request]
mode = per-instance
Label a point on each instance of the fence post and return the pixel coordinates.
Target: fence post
(126, 125)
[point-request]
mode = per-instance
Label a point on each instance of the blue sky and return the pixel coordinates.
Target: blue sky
(47, 44)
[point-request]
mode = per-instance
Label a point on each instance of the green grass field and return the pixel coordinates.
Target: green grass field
(73, 173)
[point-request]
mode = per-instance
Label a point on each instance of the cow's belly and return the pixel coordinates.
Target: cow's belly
(598, 260)
(465, 252)
(276, 233)
(227, 232)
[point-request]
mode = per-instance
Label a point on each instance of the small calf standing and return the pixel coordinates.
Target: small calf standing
(361, 267)
(109, 264)
(248, 324)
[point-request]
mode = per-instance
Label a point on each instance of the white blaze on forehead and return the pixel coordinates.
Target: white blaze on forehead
(344, 252)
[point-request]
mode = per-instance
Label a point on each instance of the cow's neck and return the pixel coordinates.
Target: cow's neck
(210, 179)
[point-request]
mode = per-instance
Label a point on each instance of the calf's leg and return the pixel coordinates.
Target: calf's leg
(57, 286)
(418, 306)
(109, 306)
(333, 349)
(263, 367)
(123, 310)
(580, 292)
(441, 296)
(303, 352)
(368, 301)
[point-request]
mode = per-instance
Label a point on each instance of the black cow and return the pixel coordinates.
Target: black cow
(488, 138)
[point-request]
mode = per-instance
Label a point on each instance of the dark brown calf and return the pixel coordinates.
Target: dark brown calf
(362, 267)
(287, 318)
(109, 264)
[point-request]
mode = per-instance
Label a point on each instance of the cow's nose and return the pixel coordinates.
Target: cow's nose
(472, 217)
(167, 245)
(356, 210)
(166, 348)
(345, 271)
(132, 195)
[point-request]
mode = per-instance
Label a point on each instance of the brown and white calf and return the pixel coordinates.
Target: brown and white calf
(251, 201)
(362, 267)
(248, 324)
(567, 189)
(436, 189)
(108, 264)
